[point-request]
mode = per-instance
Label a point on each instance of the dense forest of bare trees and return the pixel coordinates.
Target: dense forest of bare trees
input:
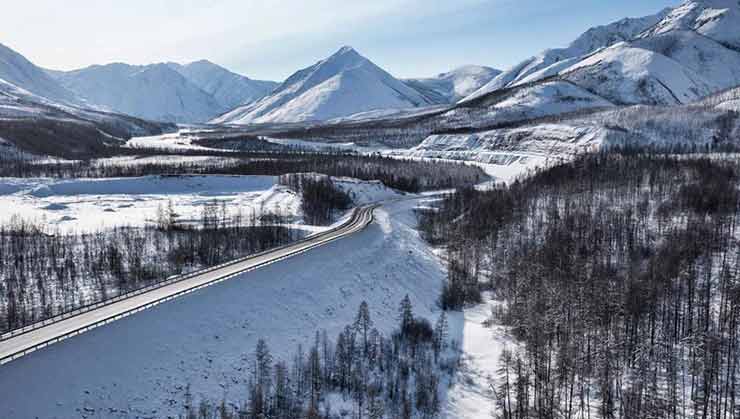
(44, 272)
(405, 175)
(320, 198)
(618, 275)
(363, 373)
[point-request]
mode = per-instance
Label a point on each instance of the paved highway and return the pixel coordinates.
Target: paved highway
(16, 346)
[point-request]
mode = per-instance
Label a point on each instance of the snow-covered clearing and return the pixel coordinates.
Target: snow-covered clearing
(171, 142)
(91, 204)
(314, 145)
(161, 160)
(482, 342)
(140, 365)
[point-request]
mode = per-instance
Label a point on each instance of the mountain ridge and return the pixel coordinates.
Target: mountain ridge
(230, 89)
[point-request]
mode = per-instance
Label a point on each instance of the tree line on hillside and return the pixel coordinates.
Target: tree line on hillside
(405, 175)
(618, 275)
(45, 272)
(367, 373)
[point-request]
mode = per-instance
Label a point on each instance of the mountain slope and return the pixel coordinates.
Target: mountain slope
(590, 41)
(628, 75)
(675, 57)
(229, 89)
(456, 84)
(37, 125)
(155, 92)
(40, 116)
(718, 20)
(344, 84)
(17, 70)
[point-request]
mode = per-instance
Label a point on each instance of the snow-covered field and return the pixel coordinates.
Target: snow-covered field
(91, 204)
(139, 366)
(171, 142)
(324, 146)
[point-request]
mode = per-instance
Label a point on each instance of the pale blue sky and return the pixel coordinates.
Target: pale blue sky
(272, 39)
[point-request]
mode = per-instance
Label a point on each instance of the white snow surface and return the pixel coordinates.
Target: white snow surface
(175, 141)
(482, 343)
(718, 66)
(522, 103)
(365, 192)
(344, 84)
(381, 114)
(139, 366)
(549, 98)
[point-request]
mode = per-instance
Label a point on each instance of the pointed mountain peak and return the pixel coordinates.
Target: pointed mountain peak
(203, 63)
(346, 54)
(346, 49)
(343, 84)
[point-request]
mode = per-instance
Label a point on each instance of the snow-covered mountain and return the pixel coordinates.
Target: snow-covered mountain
(454, 85)
(668, 80)
(553, 60)
(39, 115)
(344, 84)
(18, 71)
(675, 57)
(41, 126)
(155, 92)
(229, 89)
(718, 20)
